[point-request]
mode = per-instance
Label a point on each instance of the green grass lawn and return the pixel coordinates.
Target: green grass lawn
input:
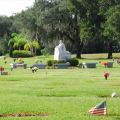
(66, 94)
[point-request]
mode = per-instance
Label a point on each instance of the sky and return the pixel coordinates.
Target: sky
(8, 7)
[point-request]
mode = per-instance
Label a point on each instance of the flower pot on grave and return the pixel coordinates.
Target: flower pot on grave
(105, 77)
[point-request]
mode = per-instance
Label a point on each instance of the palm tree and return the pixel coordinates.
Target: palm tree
(18, 40)
(32, 45)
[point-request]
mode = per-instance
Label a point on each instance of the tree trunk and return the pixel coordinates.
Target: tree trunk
(35, 51)
(78, 49)
(19, 48)
(110, 50)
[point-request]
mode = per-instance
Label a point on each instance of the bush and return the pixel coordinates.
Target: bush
(73, 62)
(80, 64)
(61, 61)
(22, 53)
(51, 62)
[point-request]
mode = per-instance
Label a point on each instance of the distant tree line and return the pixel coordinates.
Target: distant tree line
(85, 26)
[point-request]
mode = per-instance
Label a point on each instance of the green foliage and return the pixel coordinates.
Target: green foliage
(49, 62)
(21, 53)
(43, 51)
(80, 64)
(47, 67)
(61, 61)
(73, 62)
(53, 61)
(10, 51)
(112, 24)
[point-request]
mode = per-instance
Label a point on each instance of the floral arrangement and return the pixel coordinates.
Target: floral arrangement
(17, 57)
(36, 61)
(4, 58)
(41, 61)
(22, 61)
(34, 69)
(118, 61)
(99, 61)
(106, 75)
(1, 68)
(104, 63)
(113, 59)
(14, 59)
(5, 62)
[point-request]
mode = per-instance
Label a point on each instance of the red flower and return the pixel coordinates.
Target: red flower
(5, 62)
(106, 74)
(104, 63)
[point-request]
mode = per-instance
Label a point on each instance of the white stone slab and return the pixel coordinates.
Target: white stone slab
(90, 65)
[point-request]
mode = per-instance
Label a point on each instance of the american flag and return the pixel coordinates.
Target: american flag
(98, 110)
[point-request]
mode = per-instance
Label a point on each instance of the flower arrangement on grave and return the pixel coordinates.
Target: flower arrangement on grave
(5, 62)
(36, 61)
(41, 61)
(104, 63)
(53, 66)
(14, 59)
(106, 74)
(4, 58)
(1, 68)
(99, 61)
(34, 69)
(22, 61)
(118, 61)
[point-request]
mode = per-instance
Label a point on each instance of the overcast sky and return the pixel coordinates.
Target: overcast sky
(7, 7)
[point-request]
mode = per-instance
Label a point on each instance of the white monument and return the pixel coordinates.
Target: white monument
(61, 53)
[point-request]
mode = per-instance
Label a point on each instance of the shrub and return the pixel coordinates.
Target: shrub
(21, 53)
(73, 62)
(49, 63)
(53, 61)
(47, 67)
(61, 61)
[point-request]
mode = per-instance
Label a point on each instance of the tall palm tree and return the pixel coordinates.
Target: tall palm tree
(31, 45)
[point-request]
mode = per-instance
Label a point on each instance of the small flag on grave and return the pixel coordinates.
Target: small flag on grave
(99, 110)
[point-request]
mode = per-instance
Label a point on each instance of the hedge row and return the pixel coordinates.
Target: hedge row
(73, 62)
(21, 53)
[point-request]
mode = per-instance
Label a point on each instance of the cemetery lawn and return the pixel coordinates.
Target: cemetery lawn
(64, 94)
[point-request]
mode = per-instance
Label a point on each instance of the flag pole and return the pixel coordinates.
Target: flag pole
(106, 106)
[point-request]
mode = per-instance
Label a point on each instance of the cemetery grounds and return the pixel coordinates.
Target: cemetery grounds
(64, 94)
